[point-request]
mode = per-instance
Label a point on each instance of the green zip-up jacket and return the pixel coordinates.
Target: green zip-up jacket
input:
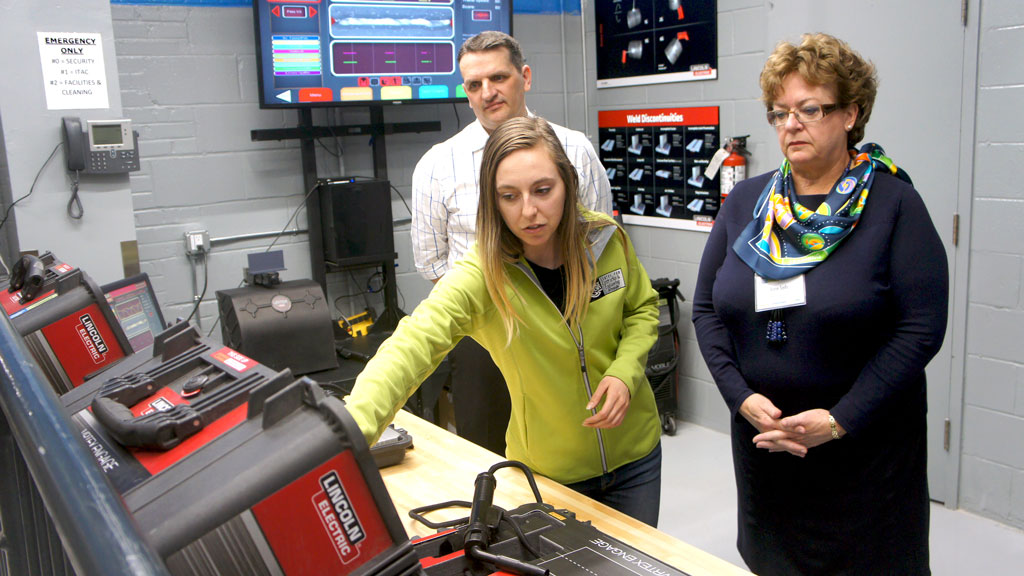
(542, 364)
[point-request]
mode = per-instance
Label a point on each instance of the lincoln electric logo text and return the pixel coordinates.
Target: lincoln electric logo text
(339, 518)
(91, 338)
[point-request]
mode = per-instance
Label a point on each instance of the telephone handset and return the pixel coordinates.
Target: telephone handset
(74, 144)
(101, 147)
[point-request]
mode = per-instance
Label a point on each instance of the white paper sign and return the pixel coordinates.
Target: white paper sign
(74, 76)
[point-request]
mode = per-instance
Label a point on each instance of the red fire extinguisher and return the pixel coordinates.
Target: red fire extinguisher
(734, 167)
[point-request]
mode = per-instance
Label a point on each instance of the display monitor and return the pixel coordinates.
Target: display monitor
(338, 52)
(134, 304)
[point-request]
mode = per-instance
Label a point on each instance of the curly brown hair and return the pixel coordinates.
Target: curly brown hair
(824, 60)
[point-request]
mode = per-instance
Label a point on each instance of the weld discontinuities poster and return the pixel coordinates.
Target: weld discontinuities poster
(655, 161)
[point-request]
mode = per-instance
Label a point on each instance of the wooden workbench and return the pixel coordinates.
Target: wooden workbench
(442, 467)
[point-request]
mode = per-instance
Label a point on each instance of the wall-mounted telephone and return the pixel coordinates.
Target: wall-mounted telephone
(101, 147)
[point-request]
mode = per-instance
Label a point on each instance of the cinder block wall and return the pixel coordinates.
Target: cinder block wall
(188, 82)
(992, 464)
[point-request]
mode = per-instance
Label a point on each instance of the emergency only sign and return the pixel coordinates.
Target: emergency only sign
(74, 76)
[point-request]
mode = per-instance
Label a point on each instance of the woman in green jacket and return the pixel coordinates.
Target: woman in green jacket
(557, 296)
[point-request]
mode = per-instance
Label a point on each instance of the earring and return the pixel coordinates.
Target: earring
(850, 127)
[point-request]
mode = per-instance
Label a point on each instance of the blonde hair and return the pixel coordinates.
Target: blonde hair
(497, 244)
(824, 60)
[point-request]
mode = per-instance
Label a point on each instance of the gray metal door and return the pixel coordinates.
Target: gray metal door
(918, 47)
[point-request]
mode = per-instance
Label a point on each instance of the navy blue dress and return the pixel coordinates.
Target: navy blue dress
(875, 315)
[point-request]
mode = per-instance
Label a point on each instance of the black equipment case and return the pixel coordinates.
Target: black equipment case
(282, 325)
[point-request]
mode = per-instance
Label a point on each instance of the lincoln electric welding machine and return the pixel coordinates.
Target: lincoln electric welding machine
(67, 324)
(229, 467)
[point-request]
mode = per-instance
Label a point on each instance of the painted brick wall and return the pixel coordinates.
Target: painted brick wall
(992, 462)
(189, 84)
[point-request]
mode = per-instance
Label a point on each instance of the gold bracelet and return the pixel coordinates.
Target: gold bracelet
(832, 425)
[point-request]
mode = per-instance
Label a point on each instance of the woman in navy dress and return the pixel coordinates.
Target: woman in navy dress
(821, 296)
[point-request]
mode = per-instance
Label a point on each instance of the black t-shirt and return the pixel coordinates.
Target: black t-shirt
(552, 281)
(812, 201)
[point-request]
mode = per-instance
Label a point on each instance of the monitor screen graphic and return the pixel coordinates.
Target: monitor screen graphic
(134, 304)
(337, 52)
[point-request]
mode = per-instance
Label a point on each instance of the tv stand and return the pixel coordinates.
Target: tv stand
(306, 133)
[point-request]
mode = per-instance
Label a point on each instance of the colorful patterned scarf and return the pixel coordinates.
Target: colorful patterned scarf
(785, 239)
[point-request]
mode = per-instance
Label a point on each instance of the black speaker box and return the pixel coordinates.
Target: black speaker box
(356, 220)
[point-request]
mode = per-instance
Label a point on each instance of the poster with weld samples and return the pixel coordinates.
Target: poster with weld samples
(655, 41)
(655, 160)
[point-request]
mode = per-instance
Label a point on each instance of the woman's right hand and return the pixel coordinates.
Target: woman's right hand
(616, 402)
(761, 413)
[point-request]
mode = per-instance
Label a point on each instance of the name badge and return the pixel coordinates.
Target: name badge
(775, 294)
(608, 283)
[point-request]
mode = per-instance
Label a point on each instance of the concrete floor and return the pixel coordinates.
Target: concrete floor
(698, 506)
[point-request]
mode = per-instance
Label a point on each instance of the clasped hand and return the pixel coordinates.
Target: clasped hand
(616, 403)
(794, 434)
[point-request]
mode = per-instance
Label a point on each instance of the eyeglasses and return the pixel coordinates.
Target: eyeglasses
(804, 114)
